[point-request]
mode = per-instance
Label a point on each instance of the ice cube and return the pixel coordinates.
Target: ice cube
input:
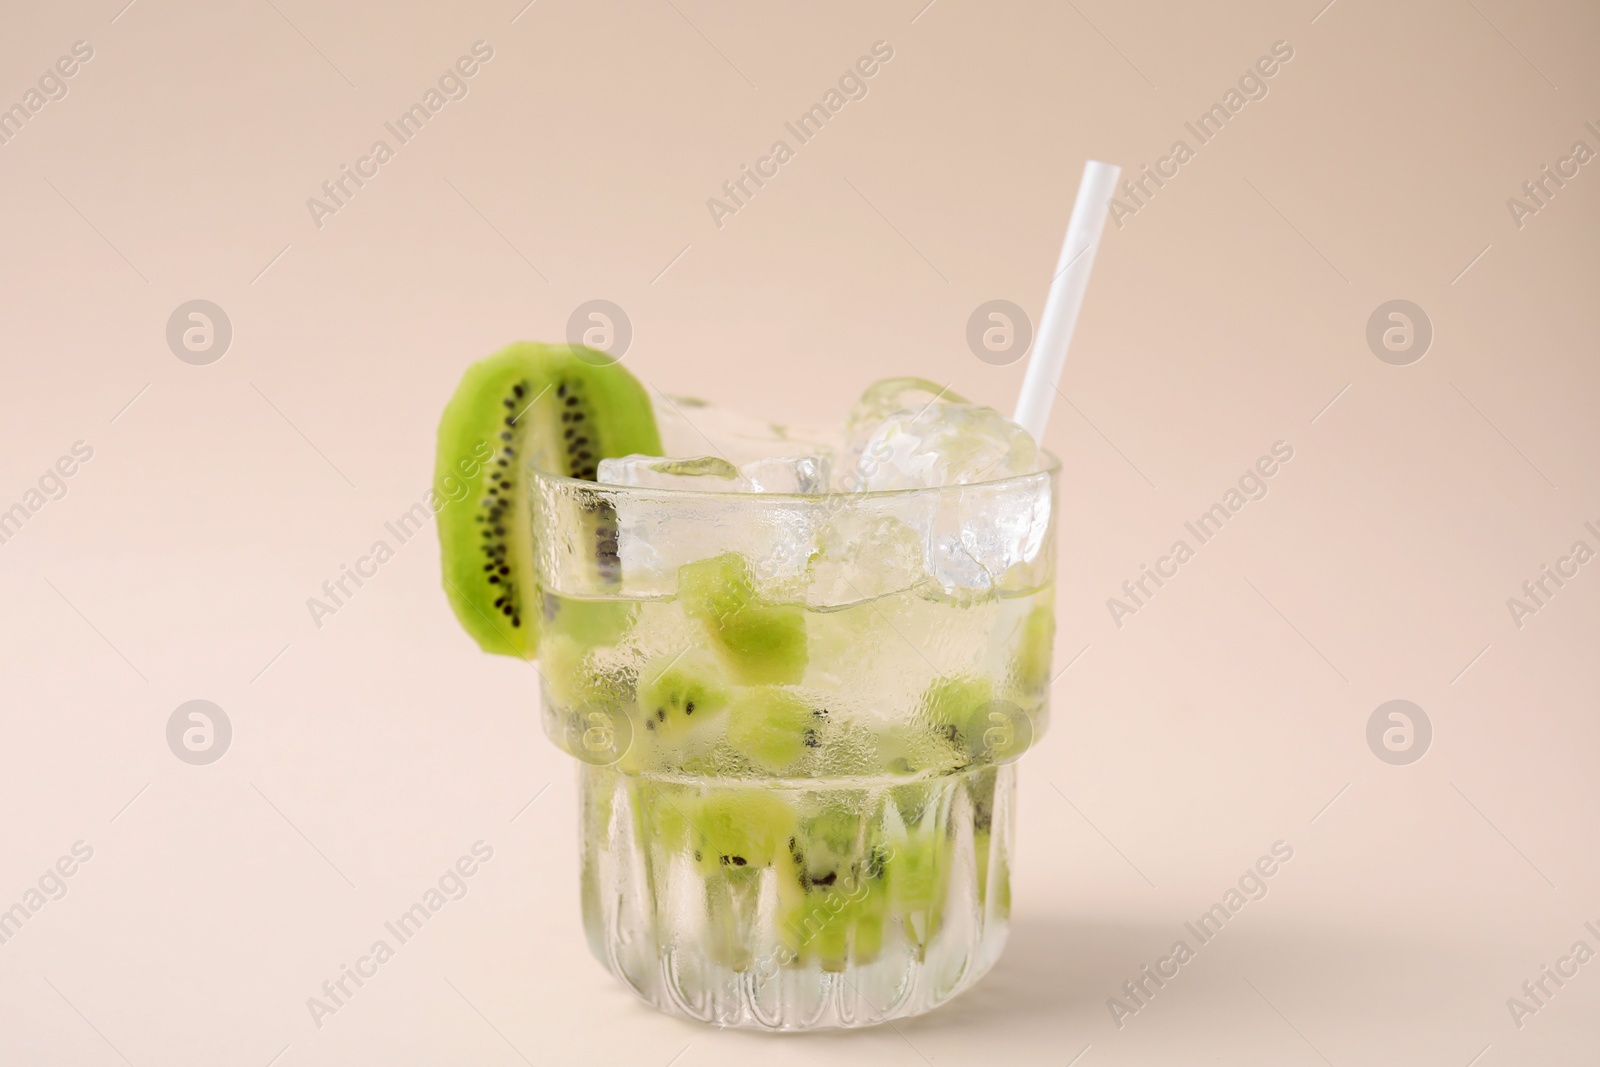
(884, 398)
(713, 474)
(976, 536)
(944, 444)
(881, 400)
(989, 537)
(787, 474)
(693, 427)
(658, 532)
(710, 474)
(866, 551)
(968, 537)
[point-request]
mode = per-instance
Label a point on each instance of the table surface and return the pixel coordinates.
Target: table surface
(1238, 302)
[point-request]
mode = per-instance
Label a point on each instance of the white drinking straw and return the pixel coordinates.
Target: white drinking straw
(1095, 191)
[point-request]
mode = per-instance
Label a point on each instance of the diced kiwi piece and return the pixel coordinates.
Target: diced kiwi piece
(570, 631)
(841, 868)
(723, 829)
(917, 876)
(906, 749)
(917, 871)
(829, 845)
(589, 622)
(765, 643)
(851, 929)
(741, 829)
(678, 693)
(666, 813)
(731, 836)
(868, 912)
(773, 726)
(699, 467)
(955, 707)
(981, 790)
(1034, 639)
(564, 666)
(559, 408)
(872, 910)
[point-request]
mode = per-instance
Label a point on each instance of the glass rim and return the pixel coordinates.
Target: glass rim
(1049, 468)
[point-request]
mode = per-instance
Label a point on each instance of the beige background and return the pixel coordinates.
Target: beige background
(1227, 314)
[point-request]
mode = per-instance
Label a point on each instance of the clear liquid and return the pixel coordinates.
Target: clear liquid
(828, 850)
(861, 903)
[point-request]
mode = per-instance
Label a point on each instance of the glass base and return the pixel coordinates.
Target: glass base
(859, 902)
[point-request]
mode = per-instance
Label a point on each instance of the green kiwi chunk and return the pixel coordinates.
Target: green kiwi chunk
(765, 643)
(774, 727)
(741, 829)
(737, 834)
(678, 693)
(570, 632)
(841, 864)
(981, 789)
(558, 408)
(1034, 639)
(955, 707)
(917, 878)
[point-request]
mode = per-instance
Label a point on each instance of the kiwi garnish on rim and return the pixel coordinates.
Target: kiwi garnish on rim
(558, 408)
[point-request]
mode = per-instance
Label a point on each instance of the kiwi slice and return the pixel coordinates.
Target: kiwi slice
(765, 643)
(559, 408)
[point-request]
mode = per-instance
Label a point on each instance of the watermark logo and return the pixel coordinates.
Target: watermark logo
(448, 489)
(1539, 191)
(598, 735)
(1251, 486)
(337, 192)
(51, 486)
(1538, 590)
(999, 332)
(199, 332)
(1399, 732)
(604, 328)
(51, 886)
(1537, 992)
(1007, 731)
(199, 732)
(452, 885)
(1137, 191)
(1399, 332)
(738, 191)
(51, 86)
(1252, 885)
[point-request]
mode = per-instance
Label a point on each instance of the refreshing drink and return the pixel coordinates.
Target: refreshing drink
(796, 673)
